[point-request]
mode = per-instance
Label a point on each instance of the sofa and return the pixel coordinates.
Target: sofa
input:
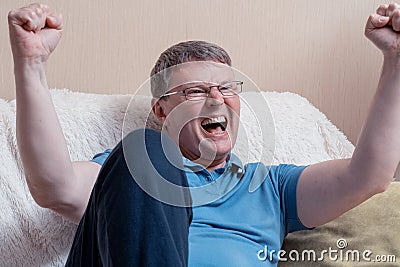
(275, 128)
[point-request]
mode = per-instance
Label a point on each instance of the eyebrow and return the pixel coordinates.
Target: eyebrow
(224, 82)
(185, 86)
(207, 83)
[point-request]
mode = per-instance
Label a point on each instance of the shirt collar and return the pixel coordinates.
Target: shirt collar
(232, 160)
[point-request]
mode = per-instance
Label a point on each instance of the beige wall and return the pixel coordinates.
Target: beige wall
(312, 47)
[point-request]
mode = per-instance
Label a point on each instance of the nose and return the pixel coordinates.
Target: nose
(215, 97)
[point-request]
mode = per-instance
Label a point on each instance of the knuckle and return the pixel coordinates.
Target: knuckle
(11, 13)
(32, 7)
(382, 7)
(34, 4)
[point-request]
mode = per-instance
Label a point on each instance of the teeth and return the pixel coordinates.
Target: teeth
(220, 119)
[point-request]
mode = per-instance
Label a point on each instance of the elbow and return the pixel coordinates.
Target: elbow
(42, 200)
(383, 186)
(63, 208)
(373, 180)
(56, 198)
(43, 203)
(378, 186)
(41, 193)
(384, 181)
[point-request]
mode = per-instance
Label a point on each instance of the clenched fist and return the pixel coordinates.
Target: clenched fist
(35, 31)
(383, 29)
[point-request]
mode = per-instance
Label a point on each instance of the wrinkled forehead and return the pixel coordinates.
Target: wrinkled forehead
(200, 71)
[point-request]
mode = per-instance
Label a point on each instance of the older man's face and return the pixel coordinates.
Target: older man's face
(205, 130)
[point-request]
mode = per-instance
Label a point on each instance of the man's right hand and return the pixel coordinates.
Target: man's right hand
(54, 181)
(35, 31)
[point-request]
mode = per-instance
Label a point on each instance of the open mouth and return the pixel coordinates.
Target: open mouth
(215, 125)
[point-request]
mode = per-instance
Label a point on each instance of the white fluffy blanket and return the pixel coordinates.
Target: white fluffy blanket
(31, 236)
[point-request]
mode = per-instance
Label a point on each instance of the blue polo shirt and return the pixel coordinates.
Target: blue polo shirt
(240, 212)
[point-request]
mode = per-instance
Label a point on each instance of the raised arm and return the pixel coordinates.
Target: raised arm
(54, 181)
(327, 190)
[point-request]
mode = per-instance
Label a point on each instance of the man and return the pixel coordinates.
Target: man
(196, 99)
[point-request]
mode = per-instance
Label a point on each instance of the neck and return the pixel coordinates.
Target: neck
(210, 169)
(210, 165)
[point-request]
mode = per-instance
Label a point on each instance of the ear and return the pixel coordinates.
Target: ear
(158, 109)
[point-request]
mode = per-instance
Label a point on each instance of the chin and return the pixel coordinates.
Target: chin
(219, 151)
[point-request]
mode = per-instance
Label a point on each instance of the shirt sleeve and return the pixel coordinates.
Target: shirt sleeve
(101, 157)
(288, 177)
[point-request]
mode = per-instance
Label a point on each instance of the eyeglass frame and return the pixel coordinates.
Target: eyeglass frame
(238, 83)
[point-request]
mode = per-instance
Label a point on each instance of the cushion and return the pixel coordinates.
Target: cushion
(373, 226)
(275, 128)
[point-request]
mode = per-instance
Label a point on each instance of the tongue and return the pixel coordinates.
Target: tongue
(216, 129)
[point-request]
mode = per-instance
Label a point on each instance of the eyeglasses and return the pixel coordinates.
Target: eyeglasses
(201, 92)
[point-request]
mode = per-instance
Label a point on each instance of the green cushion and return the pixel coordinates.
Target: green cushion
(374, 226)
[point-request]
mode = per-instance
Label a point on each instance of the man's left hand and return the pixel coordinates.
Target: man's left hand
(383, 29)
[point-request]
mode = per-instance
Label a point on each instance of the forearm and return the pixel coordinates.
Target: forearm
(40, 139)
(377, 153)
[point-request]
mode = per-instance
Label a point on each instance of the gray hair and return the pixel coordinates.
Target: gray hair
(181, 53)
